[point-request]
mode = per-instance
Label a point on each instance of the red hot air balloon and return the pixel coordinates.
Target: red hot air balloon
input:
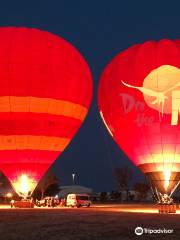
(45, 93)
(139, 101)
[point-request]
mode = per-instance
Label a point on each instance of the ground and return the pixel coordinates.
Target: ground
(106, 222)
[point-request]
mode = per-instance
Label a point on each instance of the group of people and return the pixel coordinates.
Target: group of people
(47, 202)
(50, 202)
(165, 199)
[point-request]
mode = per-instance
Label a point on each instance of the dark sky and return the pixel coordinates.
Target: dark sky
(99, 30)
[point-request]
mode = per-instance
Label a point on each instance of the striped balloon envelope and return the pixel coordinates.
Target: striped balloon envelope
(45, 93)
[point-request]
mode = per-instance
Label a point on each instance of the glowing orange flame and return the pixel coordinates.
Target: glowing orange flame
(24, 185)
(167, 176)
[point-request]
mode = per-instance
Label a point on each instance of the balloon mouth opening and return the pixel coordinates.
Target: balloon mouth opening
(163, 185)
(24, 185)
(164, 178)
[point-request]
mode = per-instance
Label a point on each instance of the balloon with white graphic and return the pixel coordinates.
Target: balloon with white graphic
(139, 102)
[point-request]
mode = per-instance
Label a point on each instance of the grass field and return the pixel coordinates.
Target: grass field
(98, 222)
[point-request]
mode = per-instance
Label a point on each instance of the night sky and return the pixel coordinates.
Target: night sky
(99, 30)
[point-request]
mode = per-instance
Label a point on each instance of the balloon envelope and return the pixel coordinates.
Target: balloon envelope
(45, 93)
(139, 101)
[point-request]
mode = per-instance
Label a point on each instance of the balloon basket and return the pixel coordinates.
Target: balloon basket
(23, 204)
(165, 208)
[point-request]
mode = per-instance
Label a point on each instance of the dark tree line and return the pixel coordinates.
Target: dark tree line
(124, 177)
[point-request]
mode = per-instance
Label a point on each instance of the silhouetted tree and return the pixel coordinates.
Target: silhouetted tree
(4, 182)
(49, 180)
(6, 185)
(123, 177)
(141, 189)
(52, 190)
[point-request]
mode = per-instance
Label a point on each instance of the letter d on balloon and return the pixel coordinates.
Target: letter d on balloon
(127, 101)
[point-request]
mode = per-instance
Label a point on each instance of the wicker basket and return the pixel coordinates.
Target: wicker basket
(23, 204)
(163, 208)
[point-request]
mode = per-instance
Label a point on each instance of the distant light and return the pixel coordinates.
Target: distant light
(9, 195)
(56, 196)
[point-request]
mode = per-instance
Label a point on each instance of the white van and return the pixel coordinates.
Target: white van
(78, 200)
